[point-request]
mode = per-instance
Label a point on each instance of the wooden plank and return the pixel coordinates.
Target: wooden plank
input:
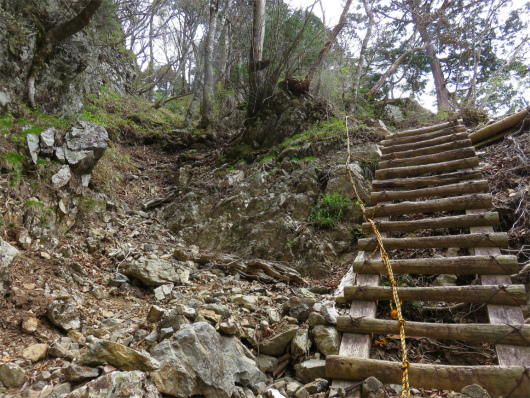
(355, 344)
(422, 137)
(507, 355)
(468, 265)
(426, 129)
(417, 182)
(494, 239)
(513, 295)
(445, 156)
(461, 188)
(428, 150)
(475, 201)
(485, 333)
(424, 144)
(413, 171)
(497, 380)
(463, 221)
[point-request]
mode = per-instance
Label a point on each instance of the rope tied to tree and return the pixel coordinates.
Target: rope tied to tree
(395, 313)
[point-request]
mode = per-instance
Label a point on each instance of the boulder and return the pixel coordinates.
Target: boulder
(118, 385)
(327, 339)
(300, 343)
(120, 356)
(197, 360)
(62, 177)
(311, 370)
(32, 141)
(35, 352)
(64, 314)
(153, 272)
(266, 363)
(276, 344)
(85, 144)
(7, 254)
(12, 375)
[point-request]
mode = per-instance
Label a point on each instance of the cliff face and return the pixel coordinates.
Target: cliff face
(80, 65)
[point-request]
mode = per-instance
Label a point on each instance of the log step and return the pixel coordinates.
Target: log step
(484, 333)
(495, 239)
(444, 190)
(413, 171)
(512, 295)
(467, 265)
(497, 380)
(464, 202)
(418, 182)
(424, 144)
(427, 129)
(454, 154)
(422, 137)
(427, 151)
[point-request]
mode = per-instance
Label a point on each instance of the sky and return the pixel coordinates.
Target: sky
(332, 11)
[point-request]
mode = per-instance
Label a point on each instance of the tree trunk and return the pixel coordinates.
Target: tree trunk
(57, 35)
(324, 52)
(255, 101)
(207, 111)
(366, 39)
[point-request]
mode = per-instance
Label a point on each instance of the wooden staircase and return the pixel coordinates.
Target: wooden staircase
(438, 163)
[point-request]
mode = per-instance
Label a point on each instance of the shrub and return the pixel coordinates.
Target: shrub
(328, 210)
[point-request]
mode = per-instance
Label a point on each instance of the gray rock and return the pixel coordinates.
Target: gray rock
(118, 385)
(292, 387)
(60, 390)
(393, 112)
(161, 292)
(32, 141)
(118, 355)
(316, 319)
(198, 360)
(474, 391)
(266, 363)
(299, 307)
(311, 370)
(155, 314)
(445, 280)
(64, 314)
(77, 373)
(373, 388)
(316, 386)
(153, 272)
(60, 347)
(276, 345)
(7, 254)
(174, 321)
(47, 140)
(300, 343)
(12, 375)
(23, 238)
(327, 339)
(84, 145)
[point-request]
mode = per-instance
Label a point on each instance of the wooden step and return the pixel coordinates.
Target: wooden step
(446, 156)
(424, 144)
(418, 182)
(513, 295)
(467, 265)
(427, 151)
(464, 202)
(422, 137)
(413, 171)
(427, 129)
(484, 333)
(497, 380)
(462, 188)
(495, 239)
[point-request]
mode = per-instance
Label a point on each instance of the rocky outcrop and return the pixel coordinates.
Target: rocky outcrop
(199, 361)
(267, 211)
(7, 254)
(80, 65)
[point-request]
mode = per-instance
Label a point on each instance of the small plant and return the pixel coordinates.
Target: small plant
(15, 161)
(356, 232)
(268, 157)
(291, 243)
(328, 211)
(30, 203)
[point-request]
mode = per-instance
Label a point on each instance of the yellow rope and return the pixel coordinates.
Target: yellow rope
(397, 314)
